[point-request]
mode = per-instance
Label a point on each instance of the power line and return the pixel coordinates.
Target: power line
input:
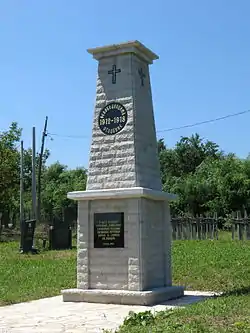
(204, 122)
(68, 136)
(165, 130)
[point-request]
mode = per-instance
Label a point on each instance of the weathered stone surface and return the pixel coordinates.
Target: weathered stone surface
(124, 176)
(145, 260)
(129, 158)
(125, 297)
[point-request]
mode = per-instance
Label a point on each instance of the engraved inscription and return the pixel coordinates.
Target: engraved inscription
(142, 76)
(114, 71)
(112, 118)
(109, 230)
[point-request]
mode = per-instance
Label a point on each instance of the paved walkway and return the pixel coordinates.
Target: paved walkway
(51, 315)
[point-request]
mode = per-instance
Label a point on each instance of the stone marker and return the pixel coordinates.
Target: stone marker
(27, 236)
(60, 234)
(124, 232)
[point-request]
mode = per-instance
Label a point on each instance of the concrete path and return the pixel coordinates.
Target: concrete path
(51, 315)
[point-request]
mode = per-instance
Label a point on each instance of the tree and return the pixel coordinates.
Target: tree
(27, 174)
(27, 166)
(205, 178)
(187, 155)
(58, 181)
(161, 146)
(9, 167)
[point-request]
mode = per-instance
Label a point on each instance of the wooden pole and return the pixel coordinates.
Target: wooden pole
(34, 215)
(40, 171)
(21, 195)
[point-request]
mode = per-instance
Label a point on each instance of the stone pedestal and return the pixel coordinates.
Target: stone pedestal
(124, 232)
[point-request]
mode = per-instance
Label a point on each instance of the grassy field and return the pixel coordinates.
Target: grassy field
(229, 314)
(28, 277)
(205, 265)
(222, 265)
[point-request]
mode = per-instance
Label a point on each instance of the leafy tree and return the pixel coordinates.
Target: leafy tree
(9, 166)
(205, 179)
(27, 166)
(58, 181)
(210, 182)
(187, 155)
(161, 146)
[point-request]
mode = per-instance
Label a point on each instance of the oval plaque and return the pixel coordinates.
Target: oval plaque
(112, 118)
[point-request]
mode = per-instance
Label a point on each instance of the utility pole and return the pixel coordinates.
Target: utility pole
(21, 195)
(40, 171)
(34, 173)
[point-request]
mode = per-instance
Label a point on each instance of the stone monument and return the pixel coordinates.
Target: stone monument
(124, 231)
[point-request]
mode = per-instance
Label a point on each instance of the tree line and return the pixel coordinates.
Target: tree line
(56, 179)
(205, 178)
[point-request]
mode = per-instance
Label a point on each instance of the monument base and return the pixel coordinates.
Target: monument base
(125, 297)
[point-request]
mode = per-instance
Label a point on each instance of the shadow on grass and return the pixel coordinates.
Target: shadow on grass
(47, 249)
(238, 291)
(189, 298)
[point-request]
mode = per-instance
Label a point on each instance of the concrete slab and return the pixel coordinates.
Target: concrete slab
(52, 315)
(125, 297)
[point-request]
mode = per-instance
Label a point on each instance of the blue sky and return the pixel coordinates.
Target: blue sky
(203, 71)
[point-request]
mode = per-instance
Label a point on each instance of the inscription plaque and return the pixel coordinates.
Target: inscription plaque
(109, 230)
(112, 118)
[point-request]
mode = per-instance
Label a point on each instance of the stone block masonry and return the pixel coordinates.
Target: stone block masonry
(108, 268)
(142, 264)
(124, 236)
(129, 158)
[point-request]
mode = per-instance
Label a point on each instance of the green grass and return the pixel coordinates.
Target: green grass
(29, 277)
(222, 314)
(211, 265)
(222, 265)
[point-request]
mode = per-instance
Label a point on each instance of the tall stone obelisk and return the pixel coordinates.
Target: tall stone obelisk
(124, 232)
(128, 157)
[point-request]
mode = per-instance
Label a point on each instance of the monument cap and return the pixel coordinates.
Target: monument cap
(134, 47)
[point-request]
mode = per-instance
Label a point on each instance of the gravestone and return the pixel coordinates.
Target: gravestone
(27, 236)
(60, 234)
(124, 231)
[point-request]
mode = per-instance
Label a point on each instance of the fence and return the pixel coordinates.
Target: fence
(240, 226)
(187, 228)
(194, 228)
(183, 228)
